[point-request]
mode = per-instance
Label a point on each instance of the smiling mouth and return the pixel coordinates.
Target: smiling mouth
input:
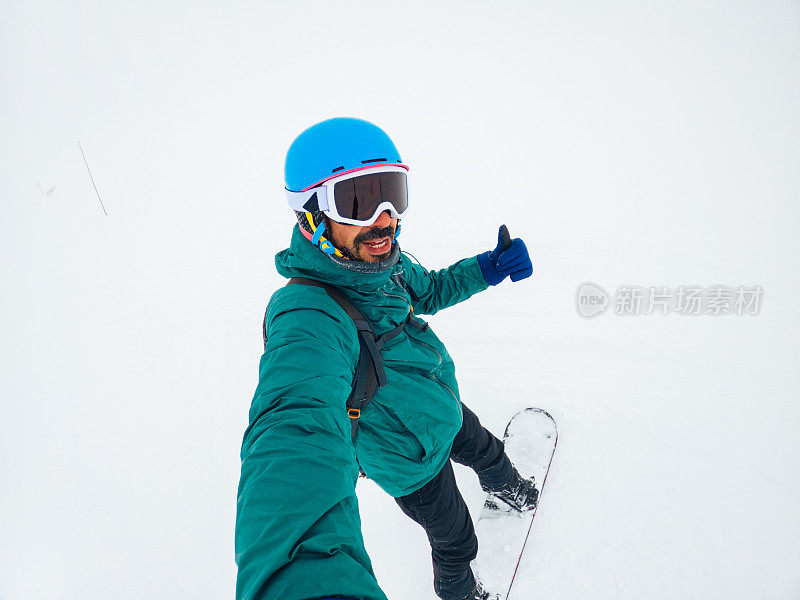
(378, 246)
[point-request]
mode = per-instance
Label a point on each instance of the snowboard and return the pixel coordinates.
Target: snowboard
(530, 442)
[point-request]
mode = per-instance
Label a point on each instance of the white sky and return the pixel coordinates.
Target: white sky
(629, 143)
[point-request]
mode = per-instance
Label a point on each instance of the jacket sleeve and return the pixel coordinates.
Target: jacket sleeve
(443, 288)
(298, 531)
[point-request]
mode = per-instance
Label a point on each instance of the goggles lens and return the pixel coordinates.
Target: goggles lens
(357, 198)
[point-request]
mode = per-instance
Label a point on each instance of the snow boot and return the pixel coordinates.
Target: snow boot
(519, 493)
(478, 593)
(454, 588)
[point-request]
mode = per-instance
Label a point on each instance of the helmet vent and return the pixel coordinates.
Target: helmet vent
(372, 160)
(337, 169)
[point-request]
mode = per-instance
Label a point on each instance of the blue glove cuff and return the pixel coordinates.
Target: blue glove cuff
(488, 269)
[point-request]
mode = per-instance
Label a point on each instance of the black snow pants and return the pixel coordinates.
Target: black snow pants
(439, 507)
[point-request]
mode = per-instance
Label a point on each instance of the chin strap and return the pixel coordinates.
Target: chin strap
(314, 233)
(324, 244)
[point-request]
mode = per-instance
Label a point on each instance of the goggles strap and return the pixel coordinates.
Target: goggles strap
(317, 197)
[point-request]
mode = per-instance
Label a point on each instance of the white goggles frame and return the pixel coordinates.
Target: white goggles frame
(324, 191)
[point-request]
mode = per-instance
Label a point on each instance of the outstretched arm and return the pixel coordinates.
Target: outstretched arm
(440, 289)
(298, 532)
(435, 290)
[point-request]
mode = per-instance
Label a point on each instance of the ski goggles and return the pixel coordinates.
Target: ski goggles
(356, 199)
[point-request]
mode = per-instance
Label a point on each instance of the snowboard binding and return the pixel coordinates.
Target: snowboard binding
(519, 493)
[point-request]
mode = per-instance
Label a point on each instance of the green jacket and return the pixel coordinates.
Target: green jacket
(298, 533)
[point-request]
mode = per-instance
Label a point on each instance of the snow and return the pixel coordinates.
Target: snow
(627, 143)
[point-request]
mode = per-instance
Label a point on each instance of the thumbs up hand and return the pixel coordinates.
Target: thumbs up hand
(510, 257)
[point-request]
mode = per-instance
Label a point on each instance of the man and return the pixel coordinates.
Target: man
(298, 534)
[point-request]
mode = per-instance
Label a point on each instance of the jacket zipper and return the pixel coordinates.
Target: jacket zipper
(435, 351)
(433, 373)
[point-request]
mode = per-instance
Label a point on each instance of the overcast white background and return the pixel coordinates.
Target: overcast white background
(629, 143)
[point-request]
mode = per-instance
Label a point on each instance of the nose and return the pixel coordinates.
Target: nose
(383, 220)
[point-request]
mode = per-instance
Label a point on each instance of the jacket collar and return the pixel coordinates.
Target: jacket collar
(303, 259)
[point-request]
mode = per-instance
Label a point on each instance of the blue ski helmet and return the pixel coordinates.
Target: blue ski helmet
(334, 147)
